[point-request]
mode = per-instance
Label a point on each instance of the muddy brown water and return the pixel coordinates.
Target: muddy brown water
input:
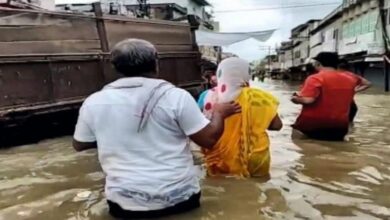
(309, 179)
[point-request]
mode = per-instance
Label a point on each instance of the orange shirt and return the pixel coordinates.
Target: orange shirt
(334, 91)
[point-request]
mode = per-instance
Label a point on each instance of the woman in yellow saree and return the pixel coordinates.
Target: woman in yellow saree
(243, 149)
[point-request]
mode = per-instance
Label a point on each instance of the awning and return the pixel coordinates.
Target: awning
(208, 38)
(374, 59)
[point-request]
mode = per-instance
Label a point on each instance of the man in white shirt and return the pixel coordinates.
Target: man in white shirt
(140, 126)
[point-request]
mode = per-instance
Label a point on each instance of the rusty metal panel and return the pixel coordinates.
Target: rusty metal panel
(33, 32)
(159, 34)
(188, 70)
(74, 79)
(65, 29)
(180, 68)
(167, 70)
(44, 47)
(24, 84)
(17, 17)
(108, 70)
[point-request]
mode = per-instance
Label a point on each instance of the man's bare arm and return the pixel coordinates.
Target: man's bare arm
(81, 146)
(302, 100)
(209, 136)
(364, 85)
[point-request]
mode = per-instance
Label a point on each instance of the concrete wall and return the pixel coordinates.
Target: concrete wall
(46, 4)
(327, 39)
(191, 6)
(288, 59)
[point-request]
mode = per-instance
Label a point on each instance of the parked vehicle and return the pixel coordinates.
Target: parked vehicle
(50, 62)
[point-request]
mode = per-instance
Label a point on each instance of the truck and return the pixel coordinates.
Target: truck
(51, 61)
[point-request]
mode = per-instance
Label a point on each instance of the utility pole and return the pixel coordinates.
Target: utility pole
(143, 10)
(219, 54)
(385, 38)
(269, 59)
(292, 54)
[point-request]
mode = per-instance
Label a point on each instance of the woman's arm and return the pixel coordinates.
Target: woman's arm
(276, 124)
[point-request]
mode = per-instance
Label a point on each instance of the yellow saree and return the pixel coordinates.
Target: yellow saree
(243, 149)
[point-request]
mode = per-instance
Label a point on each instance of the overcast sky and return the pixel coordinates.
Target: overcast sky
(281, 19)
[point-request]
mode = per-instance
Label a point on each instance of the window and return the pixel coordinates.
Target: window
(353, 28)
(336, 34)
(365, 23)
(373, 20)
(348, 30)
(345, 30)
(388, 16)
(297, 54)
(358, 26)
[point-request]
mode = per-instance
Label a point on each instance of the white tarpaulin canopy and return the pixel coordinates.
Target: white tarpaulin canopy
(207, 38)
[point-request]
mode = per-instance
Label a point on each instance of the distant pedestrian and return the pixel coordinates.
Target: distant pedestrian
(326, 98)
(209, 75)
(202, 96)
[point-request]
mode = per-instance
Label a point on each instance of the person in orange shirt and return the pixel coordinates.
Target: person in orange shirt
(326, 98)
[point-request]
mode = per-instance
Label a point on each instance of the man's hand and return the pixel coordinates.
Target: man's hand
(302, 100)
(209, 136)
(227, 109)
(82, 146)
(364, 85)
(295, 99)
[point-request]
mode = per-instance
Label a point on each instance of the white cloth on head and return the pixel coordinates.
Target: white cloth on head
(232, 75)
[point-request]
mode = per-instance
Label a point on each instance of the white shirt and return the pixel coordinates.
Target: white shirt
(150, 169)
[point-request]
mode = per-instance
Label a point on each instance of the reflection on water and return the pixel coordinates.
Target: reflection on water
(310, 179)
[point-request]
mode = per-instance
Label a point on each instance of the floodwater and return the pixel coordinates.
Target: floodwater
(309, 179)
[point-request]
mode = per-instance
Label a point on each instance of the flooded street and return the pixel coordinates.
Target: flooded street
(309, 179)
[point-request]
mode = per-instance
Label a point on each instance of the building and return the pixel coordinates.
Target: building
(163, 11)
(300, 37)
(354, 31)
(154, 9)
(293, 54)
(272, 64)
(174, 10)
(112, 8)
(285, 56)
(29, 4)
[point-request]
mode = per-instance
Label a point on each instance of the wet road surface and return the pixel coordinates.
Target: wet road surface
(309, 179)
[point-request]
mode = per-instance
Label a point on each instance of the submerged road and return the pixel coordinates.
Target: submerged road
(309, 179)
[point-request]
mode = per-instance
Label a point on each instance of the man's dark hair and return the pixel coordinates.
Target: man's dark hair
(134, 57)
(208, 65)
(344, 65)
(328, 59)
